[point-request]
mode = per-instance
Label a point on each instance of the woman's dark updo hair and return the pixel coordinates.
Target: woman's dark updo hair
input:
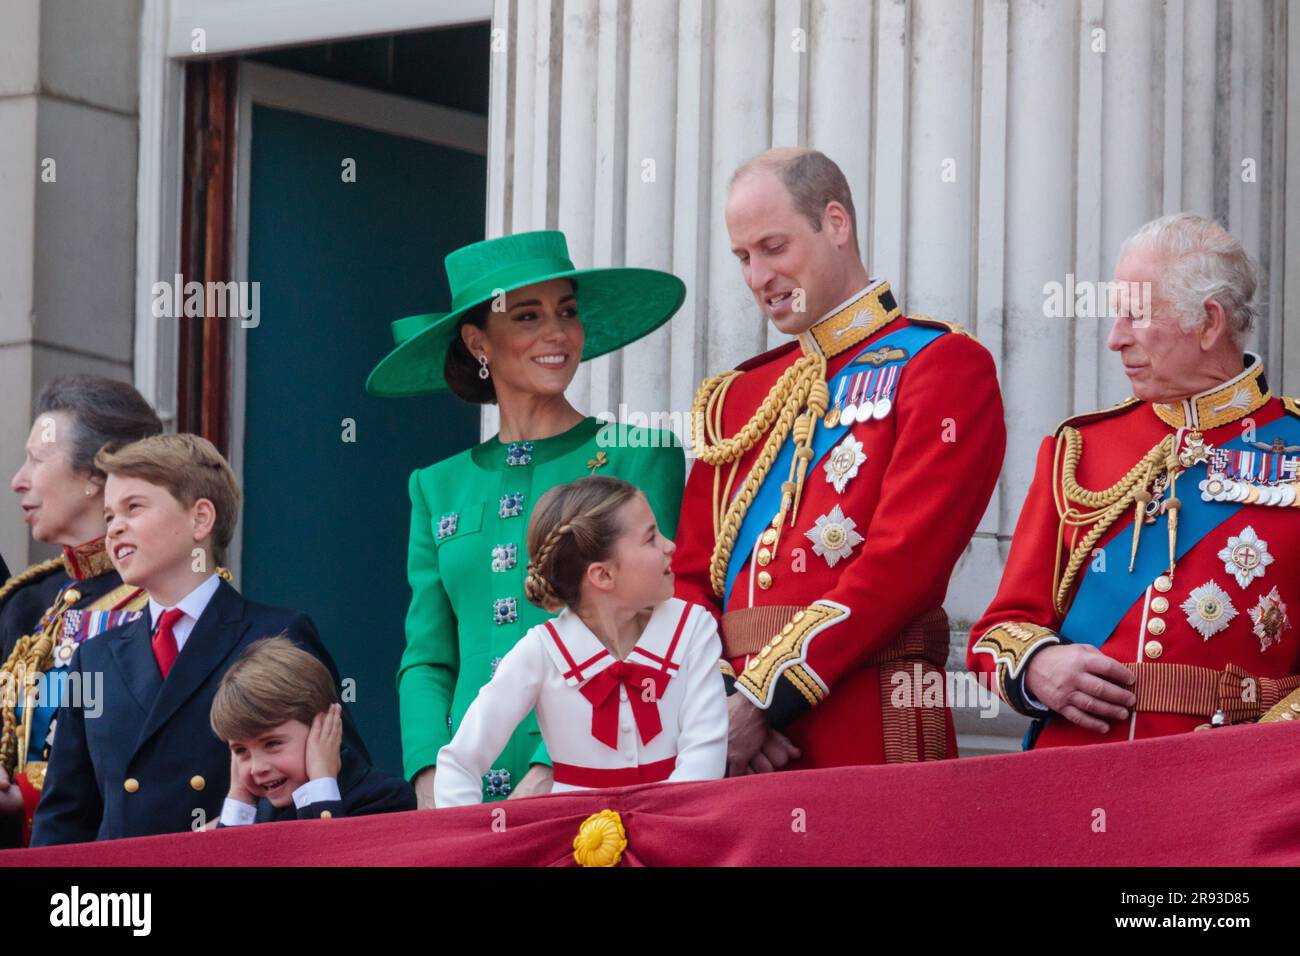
(103, 411)
(460, 368)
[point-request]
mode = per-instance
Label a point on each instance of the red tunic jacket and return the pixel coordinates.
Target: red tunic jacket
(1234, 658)
(818, 645)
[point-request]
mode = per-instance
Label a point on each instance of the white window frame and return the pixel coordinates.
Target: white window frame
(239, 26)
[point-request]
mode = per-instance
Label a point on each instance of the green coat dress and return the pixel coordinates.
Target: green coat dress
(469, 523)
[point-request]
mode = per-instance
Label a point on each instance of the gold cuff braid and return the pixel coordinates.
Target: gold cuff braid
(786, 654)
(1010, 645)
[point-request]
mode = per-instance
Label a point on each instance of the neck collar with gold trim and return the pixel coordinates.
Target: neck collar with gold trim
(1236, 398)
(851, 322)
(88, 560)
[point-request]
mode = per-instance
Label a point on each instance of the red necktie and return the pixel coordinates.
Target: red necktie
(604, 702)
(164, 640)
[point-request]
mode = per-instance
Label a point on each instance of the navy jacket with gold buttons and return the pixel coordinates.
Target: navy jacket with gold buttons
(138, 756)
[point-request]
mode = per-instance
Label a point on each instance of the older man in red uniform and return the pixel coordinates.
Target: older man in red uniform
(840, 478)
(1155, 570)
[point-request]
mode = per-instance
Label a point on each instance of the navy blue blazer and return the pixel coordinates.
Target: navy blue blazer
(149, 762)
(362, 790)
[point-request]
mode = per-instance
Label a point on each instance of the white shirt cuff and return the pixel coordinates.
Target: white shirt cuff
(1031, 700)
(316, 791)
(235, 813)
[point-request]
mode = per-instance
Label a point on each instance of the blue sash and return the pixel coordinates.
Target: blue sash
(1103, 598)
(767, 502)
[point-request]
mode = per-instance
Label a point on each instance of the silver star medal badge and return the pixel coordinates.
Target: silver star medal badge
(1246, 556)
(843, 462)
(1209, 609)
(833, 537)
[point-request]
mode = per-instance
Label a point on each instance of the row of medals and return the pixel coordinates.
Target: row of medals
(865, 404)
(1219, 487)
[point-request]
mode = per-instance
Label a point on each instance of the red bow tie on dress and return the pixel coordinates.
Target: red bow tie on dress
(600, 690)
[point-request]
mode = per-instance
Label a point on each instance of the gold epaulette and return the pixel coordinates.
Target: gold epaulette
(940, 324)
(786, 655)
(31, 574)
(1291, 405)
(1083, 418)
(1010, 644)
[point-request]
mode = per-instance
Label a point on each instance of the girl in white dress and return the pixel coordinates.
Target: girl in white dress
(625, 679)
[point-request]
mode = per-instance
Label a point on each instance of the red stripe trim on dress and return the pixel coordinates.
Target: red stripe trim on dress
(575, 669)
(597, 777)
(686, 611)
(666, 662)
(588, 662)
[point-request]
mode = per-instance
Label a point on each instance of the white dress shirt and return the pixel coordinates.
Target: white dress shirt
(236, 813)
(192, 605)
(539, 672)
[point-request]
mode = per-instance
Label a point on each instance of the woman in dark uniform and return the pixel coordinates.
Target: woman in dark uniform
(47, 610)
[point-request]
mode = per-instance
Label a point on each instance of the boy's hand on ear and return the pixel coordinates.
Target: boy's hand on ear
(237, 791)
(324, 742)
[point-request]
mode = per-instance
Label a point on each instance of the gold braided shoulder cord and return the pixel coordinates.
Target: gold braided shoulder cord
(1107, 504)
(29, 650)
(794, 403)
(32, 656)
(36, 570)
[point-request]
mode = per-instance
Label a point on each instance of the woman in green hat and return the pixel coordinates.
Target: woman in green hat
(522, 319)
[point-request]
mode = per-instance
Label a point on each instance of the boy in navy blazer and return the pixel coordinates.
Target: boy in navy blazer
(278, 711)
(139, 757)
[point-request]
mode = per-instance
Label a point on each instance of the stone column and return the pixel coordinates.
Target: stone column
(68, 131)
(992, 147)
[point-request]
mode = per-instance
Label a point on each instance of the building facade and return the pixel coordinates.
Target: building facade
(997, 150)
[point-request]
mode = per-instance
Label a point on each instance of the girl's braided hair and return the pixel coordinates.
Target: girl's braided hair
(573, 526)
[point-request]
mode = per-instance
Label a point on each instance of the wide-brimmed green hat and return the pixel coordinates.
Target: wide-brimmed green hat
(617, 306)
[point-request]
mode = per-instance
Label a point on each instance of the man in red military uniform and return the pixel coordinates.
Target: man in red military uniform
(1152, 577)
(840, 478)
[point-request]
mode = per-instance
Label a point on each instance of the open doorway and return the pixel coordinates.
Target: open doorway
(357, 167)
